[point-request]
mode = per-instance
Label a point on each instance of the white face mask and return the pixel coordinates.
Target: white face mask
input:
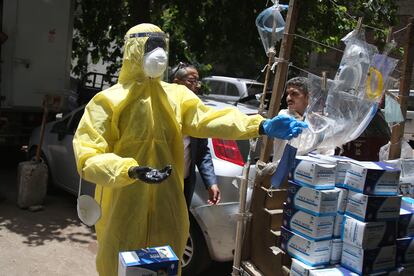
(155, 63)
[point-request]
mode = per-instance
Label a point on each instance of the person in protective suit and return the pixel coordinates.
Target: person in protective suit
(129, 142)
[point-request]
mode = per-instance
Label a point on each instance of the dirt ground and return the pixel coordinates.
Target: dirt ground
(51, 241)
(47, 242)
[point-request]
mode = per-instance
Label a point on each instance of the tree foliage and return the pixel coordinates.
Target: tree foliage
(219, 36)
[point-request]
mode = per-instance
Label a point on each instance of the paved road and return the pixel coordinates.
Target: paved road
(51, 241)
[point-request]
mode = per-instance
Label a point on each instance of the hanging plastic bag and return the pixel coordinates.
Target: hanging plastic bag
(392, 111)
(270, 25)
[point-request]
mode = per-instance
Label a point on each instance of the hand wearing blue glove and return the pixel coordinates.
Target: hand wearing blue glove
(282, 127)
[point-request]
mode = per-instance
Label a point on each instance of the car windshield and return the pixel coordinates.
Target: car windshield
(253, 90)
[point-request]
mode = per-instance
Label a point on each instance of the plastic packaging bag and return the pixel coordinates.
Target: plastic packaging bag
(406, 151)
(341, 111)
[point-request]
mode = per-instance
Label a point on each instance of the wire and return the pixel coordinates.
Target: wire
(317, 42)
(402, 29)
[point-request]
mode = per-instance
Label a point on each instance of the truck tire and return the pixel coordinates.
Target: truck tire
(196, 257)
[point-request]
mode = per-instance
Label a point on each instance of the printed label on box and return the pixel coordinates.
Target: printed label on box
(368, 235)
(148, 261)
(316, 202)
(365, 261)
(372, 208)
(310, 252)
(311, 226)
(313, 172)
(372, 178)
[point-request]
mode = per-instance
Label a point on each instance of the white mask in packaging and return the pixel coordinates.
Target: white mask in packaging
(155, 63)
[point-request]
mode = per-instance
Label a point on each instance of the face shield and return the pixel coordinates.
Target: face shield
(155, 55)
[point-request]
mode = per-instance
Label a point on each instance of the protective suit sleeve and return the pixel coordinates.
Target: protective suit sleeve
(93, 144)
(203, 121)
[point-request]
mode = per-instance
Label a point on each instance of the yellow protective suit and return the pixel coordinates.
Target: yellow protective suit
(140, 121)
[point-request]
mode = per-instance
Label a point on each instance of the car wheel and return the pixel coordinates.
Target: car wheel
(51, 188)
(196, 257)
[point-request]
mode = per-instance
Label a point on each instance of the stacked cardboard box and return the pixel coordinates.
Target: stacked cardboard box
(405, 237)
(369, 227)
(309, 214)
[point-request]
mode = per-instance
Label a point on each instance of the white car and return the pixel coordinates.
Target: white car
(212, 228)
(233, 90)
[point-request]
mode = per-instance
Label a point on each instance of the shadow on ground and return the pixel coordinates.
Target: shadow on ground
(46, 225)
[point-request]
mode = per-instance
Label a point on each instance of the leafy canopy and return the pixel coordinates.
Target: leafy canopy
(218, 36)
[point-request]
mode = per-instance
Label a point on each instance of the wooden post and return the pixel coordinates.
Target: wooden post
(257, 248)
(281, 73)
(397, 131)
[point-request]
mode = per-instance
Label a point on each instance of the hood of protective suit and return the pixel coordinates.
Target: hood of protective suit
(132, 63)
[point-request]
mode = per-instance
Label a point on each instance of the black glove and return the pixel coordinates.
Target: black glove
(148, 174)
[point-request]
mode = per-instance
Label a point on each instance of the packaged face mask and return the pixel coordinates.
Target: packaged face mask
(392, 111)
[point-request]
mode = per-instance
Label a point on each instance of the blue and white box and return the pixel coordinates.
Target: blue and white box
(311, 226)
(372, 178)
(310, 252)
(366, 261)
(405, 224)
(148, 261)
(333, 271)
(407, 203)
(314, 173)
(298, 268)
(369, 235)
(373, 208)
(339, 221)
(405, 251)
(342, 165)
(336, 251)
(342, 199)
(316, 202)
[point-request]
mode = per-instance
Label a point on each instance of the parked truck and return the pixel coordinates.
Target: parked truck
(35, 61)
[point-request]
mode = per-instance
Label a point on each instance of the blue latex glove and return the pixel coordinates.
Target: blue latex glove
(283, 127)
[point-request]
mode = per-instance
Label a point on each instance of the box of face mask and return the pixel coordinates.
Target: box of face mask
(407, 203)
(369, 235)
(310, 252)
(405, 251)
(339, 220)
(342, 199)
(336, 251)
(298, 268)
(332, 271)
(372, 208)
(365, 261)
(342, 165)
(405, 224)
(316, 202)
(372, 178)
(149, 261)
(313, 172)
(310, 226)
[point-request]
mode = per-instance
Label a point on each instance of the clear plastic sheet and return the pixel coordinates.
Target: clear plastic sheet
(341, 111)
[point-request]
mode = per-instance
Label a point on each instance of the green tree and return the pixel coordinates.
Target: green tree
(219, 36)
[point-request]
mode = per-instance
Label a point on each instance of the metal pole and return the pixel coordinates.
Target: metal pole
(242, 217)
